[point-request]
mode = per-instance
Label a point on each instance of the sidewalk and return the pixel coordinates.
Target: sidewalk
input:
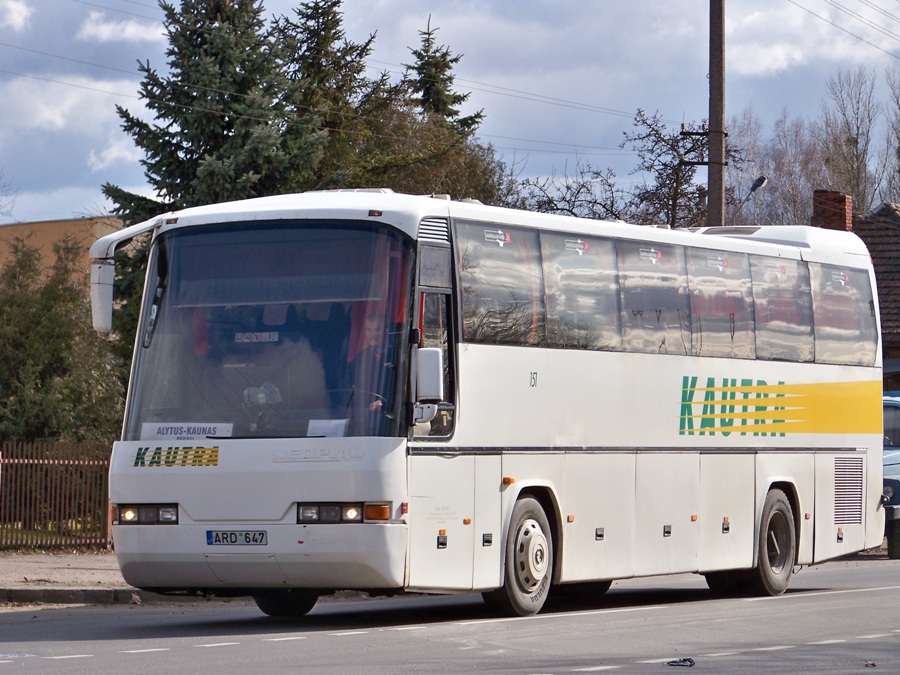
(72, 578)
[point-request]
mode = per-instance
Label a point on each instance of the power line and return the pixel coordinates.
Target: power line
(844, 30)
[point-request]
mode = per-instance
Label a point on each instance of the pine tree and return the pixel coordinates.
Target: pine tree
(431, 77)
(218, 131)
(56, 379)
(326, 76)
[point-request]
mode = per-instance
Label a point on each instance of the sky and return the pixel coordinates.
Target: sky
(559, 81)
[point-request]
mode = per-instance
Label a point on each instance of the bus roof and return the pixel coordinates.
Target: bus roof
(406, 212)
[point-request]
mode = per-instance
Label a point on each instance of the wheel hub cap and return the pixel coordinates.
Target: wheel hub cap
(531, 555)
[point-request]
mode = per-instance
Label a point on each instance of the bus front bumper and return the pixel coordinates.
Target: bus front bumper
(333, 557)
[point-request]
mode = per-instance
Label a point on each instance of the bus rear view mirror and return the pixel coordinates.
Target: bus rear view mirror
(103, 274)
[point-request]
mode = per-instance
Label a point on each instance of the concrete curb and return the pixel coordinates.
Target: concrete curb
(87, 596)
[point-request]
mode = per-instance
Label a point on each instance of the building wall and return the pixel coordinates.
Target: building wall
(44, 234)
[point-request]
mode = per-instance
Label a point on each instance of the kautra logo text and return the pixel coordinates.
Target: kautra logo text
(740, 406)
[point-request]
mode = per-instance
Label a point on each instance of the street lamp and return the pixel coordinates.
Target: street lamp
(758, 183)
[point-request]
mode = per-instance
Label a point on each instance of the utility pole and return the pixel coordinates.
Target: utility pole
(715, 205)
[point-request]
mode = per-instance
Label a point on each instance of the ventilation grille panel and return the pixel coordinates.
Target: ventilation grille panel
(434, 229)
(848, 490)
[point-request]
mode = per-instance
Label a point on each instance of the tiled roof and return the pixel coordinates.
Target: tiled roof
(880, 230)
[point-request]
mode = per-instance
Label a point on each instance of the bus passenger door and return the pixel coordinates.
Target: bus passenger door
(441, 517)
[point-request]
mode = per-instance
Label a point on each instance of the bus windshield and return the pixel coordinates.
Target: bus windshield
(272, 330)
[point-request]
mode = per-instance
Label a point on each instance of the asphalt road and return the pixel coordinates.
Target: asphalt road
(842, 617)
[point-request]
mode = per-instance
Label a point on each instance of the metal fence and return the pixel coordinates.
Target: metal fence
(54, 495)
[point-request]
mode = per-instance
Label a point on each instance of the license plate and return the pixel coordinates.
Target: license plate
(236, 537)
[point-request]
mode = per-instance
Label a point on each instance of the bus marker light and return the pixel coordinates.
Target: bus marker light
(442, 533)
(807, 516)
(377, 512)
(404, 508)
(693, 517)
(350, 513)
(508, 480)
(467, 521)
(570, 519)
(375, 213)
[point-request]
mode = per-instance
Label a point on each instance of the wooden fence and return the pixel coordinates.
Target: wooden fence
(54, 495)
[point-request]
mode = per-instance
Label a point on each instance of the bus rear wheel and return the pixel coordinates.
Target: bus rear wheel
(529, 562)
(777, 545)
(286, 603)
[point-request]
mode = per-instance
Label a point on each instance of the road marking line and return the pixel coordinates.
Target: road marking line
(595, 669)
(219, 644)
(296, 637)
(668, 658)
(349, 632)
(872, 637)
(772, 649)
(144, 651)
(826, 642)
(720, 654)
(538, 617)
(814, 594)
(407, 628)
(70, 656)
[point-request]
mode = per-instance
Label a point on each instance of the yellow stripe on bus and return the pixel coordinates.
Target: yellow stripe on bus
(812, 408)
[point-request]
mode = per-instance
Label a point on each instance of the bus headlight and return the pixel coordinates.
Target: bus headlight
(343, 513)
(146, 514)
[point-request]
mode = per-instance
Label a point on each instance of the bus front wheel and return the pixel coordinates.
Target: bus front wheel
(286, 603)
(777, 545)
(529, 562)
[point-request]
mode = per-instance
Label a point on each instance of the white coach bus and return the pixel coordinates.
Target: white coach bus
(373, 391)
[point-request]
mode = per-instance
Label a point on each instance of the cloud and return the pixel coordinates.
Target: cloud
(771, 42)
(50, 204)
(97, 29)
(65, 104)
(15, 14)
(120, 148)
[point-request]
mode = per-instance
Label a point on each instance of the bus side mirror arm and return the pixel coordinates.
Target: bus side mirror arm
(429, 364)
(103, 270)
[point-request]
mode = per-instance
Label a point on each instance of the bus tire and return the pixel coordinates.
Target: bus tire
(777, 545)
(529, 562)
(286, 603)
(893, 539)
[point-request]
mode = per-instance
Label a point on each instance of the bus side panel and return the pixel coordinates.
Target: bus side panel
(668, 534)
(441, 496)
(798, 471)
(487, 524)
(840, 497)
(727, 524)
(599, 493)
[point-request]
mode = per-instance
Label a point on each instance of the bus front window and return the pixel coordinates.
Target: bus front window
(270, 330)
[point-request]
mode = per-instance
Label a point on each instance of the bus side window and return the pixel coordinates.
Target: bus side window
(843, 314)
(721, 304)
(783, 309)
(655, 309)
(436, 333)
